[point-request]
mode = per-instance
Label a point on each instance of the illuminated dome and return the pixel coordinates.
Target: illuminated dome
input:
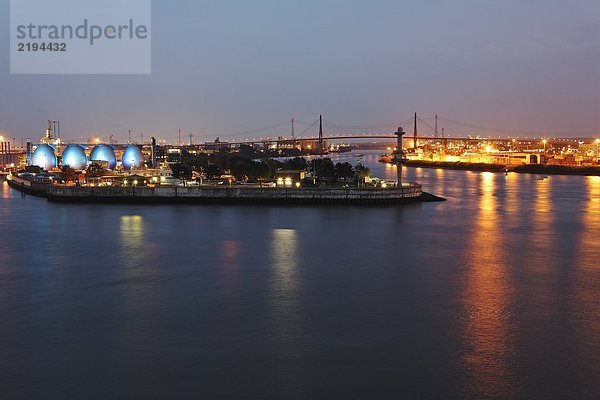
(44, 157)
(74, 157)
(132, 157)
(106, 153)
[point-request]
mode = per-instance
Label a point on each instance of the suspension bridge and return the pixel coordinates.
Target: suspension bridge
(427, 129)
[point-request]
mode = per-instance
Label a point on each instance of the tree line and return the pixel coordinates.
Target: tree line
(245, 168)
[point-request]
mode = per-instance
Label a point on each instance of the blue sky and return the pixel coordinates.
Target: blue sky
(227, 66)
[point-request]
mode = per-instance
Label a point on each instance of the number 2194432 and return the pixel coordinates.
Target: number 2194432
(42, 47)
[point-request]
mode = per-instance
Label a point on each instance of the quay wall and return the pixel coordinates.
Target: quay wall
(27, 187)
(236, 195)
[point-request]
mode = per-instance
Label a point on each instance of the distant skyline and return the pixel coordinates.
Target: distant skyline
(224, 67)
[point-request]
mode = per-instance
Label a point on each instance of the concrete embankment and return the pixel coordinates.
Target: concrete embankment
(240, 195)
(28, 187)
(456, 166)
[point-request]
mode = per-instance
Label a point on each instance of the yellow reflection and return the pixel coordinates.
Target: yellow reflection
(542, 201)
(132, 227)
(586, 278)
(132, 232)
(542, 223)
(284, 258)
(390, 172)
(286, 313)
(592, 220)
(440, 181)
(5, 190)
(512, 188)
(486, 300)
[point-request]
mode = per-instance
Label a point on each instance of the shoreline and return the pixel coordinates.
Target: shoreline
(519, 169)
(229, 195)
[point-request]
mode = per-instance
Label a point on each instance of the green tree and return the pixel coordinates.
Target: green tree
(274, 166)
(297, 163)
(323, 168)
(68, 174)
(361, 173)
(181, 171)
(95, 170)
(197, 161)
(344, 171)
(213, 171)
(249, 152)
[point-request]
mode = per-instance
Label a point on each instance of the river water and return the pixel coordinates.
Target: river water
(492, 294)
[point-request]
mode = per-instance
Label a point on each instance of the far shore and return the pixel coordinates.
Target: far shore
(522, 169)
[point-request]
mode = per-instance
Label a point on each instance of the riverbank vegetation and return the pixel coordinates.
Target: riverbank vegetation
(244, 168)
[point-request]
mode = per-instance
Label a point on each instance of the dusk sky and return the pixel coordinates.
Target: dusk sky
(222, 67)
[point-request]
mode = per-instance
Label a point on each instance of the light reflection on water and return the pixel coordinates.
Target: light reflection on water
(284, 247)
(585, 302)
(5, 189)
(493, 294)
(132, 234)
(487, 304)
(134, 249)
(229, 268)
(285, 283)
(286, 313)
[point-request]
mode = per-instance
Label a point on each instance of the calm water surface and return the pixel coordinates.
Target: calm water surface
(492, 294)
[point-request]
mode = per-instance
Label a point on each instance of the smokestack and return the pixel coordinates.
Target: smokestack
(28, 161)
